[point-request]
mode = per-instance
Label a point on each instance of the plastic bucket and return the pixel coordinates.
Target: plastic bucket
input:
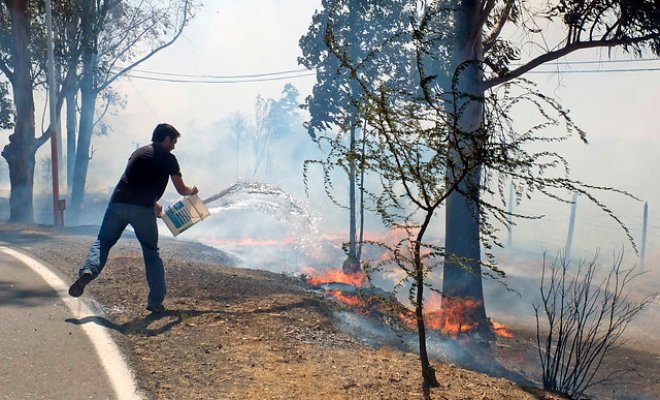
(185, 213)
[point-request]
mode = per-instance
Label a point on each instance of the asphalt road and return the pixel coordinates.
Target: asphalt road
(42, 356)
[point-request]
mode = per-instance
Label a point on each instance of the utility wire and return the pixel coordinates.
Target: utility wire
(218, 81)
(600, 61)
(206, 76)
(303, 72)
(591, 71)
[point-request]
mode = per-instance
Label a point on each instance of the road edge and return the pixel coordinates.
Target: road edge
(120, 375)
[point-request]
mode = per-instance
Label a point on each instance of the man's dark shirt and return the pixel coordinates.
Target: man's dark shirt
(146, 175)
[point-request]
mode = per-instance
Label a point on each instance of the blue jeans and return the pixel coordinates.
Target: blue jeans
(143, 220)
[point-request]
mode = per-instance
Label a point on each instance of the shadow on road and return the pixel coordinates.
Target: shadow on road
(13, 295)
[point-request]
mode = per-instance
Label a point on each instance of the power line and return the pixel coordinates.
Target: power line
(218, 81)
(275, 77)
(303, 70)
(591, 71)
(206, 76)
(601, 61)
(300, 73)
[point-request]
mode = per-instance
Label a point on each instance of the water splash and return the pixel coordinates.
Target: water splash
(301, 240)
(265, 198)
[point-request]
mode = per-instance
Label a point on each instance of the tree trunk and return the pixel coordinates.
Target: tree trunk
(20, 150)
(462, 269)
(428, 372)
(352, 264)
(86, 128)
(71, 122)
(88, 93)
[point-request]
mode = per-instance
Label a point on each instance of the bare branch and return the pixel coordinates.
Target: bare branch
(499, 25)
(184, 20)
(5, 70)
(554, 55)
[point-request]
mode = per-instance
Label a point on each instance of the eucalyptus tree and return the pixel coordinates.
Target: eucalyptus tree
(465, 67)
(20, 53)
(116, 36)
(96, 42)
(16, 55)
(483, 59)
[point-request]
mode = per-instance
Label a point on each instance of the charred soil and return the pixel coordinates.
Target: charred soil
(232, 333)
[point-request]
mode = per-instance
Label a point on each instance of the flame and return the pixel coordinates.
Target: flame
(334, 276)
(447, 316)
(450, 317)
(346, 299)
(453, 319)
(501, 330)
(409, 319)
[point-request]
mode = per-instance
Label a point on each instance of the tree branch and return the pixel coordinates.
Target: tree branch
(38, 142)
(499, 25)
(553, 55)
(478, 27)
(5, 70)
(156, 50)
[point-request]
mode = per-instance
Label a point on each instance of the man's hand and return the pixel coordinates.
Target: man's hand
(159, 210)
(182, 188)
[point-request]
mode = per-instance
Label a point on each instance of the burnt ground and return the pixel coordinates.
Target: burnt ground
(233, 333)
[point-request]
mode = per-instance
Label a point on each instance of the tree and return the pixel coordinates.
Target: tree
(275, 123)
(437, 140)
(488, 61)
(238, 125)
(78, 28)
(331, 105)
(468, 64)
(16, 65)
(283, 115)
(116, 36)
(262, 138)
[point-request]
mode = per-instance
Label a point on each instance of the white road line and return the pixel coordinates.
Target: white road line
(115, 366)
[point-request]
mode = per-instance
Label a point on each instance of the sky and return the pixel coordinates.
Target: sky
(232, 37)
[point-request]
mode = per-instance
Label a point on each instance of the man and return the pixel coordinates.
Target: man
(135, 201)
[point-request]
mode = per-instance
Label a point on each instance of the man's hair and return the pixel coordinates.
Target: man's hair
(164, 130)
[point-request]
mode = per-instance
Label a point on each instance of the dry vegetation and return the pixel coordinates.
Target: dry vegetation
(243, 334)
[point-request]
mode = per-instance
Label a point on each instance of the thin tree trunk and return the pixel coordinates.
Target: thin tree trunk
(361, 240)
(71, 122)
(462, 269)
(20, 150)
(428, 373)
(352, 265)
(88, 104)
(88, 92)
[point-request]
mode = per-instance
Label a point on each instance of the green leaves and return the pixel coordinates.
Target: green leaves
(6, 108)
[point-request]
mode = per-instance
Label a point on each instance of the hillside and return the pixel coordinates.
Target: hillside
(233, 333)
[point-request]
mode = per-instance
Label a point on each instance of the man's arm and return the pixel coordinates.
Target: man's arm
(181, 187)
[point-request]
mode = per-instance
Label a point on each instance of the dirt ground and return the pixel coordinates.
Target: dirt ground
(233, 333)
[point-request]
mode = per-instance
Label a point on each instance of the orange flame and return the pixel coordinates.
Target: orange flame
(452, 319)
(346, 299)
(500, 330)
(334, 276)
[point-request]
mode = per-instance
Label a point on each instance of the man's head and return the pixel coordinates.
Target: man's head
(166, 135)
